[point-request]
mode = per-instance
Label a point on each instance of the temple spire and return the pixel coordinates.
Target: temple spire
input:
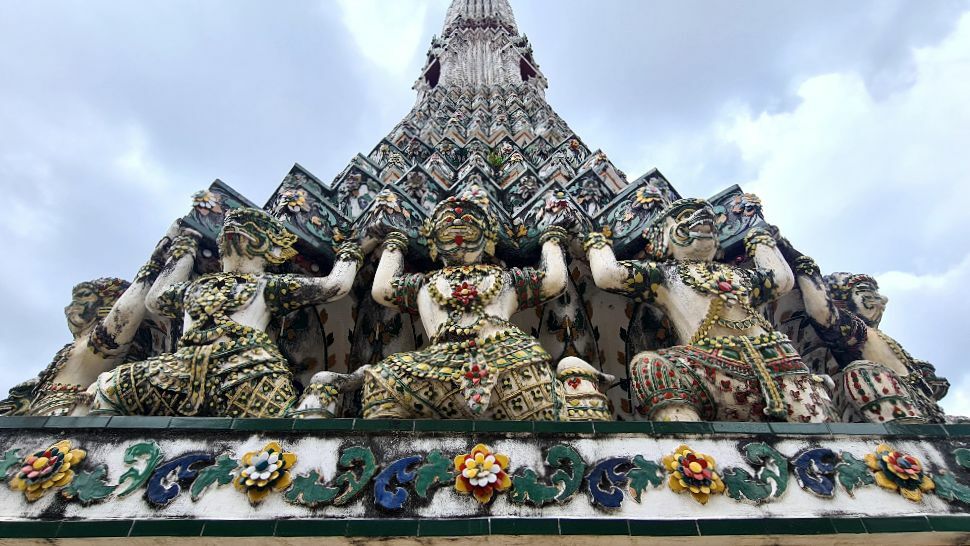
(479, 14)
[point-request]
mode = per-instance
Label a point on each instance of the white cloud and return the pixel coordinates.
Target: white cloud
(388, 34)
(843, 171)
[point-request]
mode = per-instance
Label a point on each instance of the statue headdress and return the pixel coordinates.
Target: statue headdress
(840, 285)
(474, 200)
(264, 233)
(108, 289)
(657, 246)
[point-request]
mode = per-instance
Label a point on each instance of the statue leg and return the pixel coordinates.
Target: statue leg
(324, 396)
(664, 388)
(807, 400)
(381, 401)
(870, 392)
(101, 393)
(581, 384)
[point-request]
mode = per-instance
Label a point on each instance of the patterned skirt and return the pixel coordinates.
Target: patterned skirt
(246, 377)
(732, 378)
(504, 377)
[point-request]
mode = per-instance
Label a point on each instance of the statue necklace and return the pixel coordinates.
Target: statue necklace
(466, 296)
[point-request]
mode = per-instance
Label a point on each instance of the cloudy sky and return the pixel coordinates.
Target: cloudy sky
(850, 120)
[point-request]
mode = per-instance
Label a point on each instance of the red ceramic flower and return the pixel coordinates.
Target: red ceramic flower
(465, 293)
(482, 473)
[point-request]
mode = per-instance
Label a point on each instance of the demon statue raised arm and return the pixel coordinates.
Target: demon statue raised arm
(876, 379)
(478, 366)
(731, 365)
(226, 364)
(104, 317)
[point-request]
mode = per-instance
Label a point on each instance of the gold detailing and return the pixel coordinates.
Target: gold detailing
(715, 279)
(597, 240)
(555, 234)
(805, 265)
(775, 404)
(350, 251)
(714, 317)
(396, 240)
(758, 236)
(183, 245)
(464, 282)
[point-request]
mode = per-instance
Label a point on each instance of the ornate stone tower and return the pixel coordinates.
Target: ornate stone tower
(204, 426)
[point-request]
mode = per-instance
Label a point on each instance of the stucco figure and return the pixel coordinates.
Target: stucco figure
(478, 366)
(731, 363)
(104, 317)
(226, 363)
(876, 379)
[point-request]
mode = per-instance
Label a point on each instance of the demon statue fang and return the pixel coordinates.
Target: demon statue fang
(876, 379)
(478, 366)
(226, 364)
(732, 364)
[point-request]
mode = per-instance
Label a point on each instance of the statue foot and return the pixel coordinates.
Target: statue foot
(677, 413)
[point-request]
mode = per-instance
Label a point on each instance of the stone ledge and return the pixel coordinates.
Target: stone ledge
(482, 527)
(657, 428)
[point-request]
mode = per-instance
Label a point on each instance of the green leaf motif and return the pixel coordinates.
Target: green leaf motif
(644, 473)
(526, 489)
(948, 488)
(436, 469)
(220, 472)
(152, 455)
(360, 467)
(88, 487)
(564, 482)
(309, 490)
(853, 473)
(962, 456)
(770, 478)
(11, 459)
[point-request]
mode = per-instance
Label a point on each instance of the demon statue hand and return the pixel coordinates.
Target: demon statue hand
(104, 316)
(876, 379)
(732, 364)
(226, 364)
(478, 366)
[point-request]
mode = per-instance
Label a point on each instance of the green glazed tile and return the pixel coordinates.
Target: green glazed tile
(23, 422)
(504, 426)
(29, 529)
(382, 528)
(524, 526)
(957, 430)
(858, 429)
(383, 424)
(623, 427)
(201, 423)
(594, 527)
(808, 429)
(953, 524)
(575, 427)
(107, 528)
(663, 527)
(238, 528)
(936, 431)
(89, 422)
(897, 524)
(311, 527)
(679, 427)
(725, 427)
(274, 425)
(323, 424)
(848, 525)
(799, 526)
(138, 422)
(730, 526)
(443, 425)
(167, 528)
(453, 527)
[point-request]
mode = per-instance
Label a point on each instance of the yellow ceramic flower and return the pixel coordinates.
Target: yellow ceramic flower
(899, 471)
(47, 469)
(694, 473)
(481, 473)
(264, 471)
